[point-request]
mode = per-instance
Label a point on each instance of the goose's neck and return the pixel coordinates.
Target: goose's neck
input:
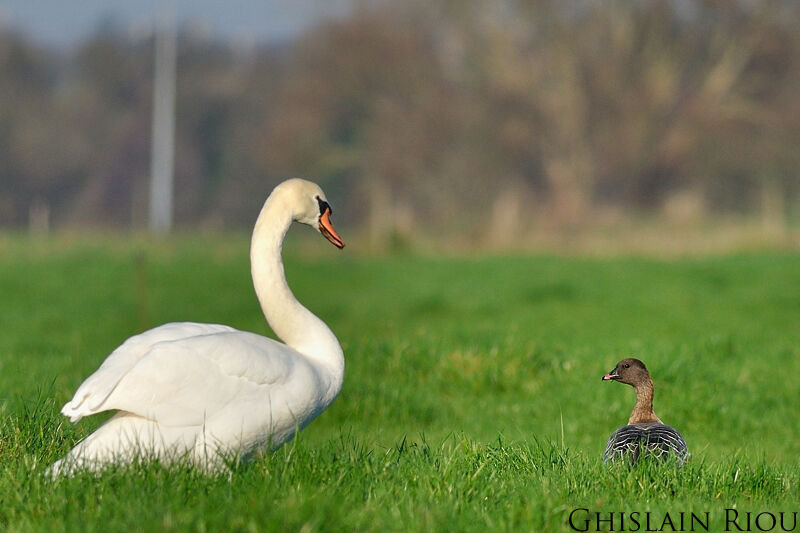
(295, 325)
(643, 410)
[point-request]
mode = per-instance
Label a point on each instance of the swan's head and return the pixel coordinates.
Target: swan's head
(308, 205)
(630, 371)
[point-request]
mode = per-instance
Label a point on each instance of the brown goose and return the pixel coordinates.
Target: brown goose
(645, 432)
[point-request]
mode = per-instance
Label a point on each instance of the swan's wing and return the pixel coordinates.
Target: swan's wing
(188, 381)
(96, 388)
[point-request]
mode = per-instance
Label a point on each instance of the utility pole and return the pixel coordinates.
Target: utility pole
(162, 148)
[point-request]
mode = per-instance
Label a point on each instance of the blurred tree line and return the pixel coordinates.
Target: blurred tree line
(434, 116)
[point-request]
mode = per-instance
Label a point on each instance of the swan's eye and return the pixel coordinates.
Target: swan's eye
(323, 205)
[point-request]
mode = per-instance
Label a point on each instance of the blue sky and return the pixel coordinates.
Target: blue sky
(64, 23)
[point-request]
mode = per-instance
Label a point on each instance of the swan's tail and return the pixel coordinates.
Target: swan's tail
(124, 438)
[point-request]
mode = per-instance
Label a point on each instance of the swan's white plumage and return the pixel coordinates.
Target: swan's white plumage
(93, 393)
(200, 390)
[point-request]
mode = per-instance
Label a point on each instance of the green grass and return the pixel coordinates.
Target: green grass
(472, 399)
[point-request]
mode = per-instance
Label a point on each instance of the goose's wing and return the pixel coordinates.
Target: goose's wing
(96, 388)
(623, 441)
(668, 440)
(608, 454)
(654, 439)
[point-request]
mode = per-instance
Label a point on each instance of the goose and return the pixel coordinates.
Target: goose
(645, 433)
(207, 392)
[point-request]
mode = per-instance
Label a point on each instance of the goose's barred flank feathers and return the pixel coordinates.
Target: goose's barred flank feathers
(655, 440)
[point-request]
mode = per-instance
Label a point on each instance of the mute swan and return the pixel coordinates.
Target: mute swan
(198, 391)
(645, 433)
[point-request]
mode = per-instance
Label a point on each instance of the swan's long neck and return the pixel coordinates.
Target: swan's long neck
(295, 325)
(643, 410)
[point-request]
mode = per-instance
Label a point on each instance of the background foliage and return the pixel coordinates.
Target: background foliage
(533, 113)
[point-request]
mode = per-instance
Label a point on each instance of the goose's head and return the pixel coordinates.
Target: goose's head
(630, 371)
(308, 205)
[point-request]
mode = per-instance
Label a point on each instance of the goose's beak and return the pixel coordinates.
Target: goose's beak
(326, 228)
(611, 376)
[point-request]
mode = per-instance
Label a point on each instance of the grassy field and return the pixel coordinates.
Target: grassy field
(472, 399)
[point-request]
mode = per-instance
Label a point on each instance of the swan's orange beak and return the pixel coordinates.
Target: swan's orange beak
(326, 228)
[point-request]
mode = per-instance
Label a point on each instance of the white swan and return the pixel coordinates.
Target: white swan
(202, 391)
